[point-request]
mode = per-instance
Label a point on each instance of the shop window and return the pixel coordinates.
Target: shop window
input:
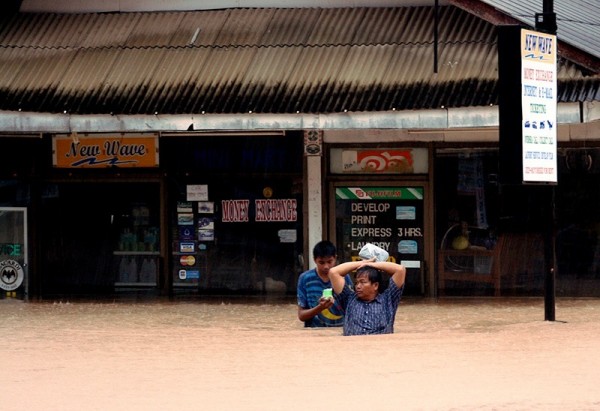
(240, 232)
(578, 222)
(466, 216)
(525, 218)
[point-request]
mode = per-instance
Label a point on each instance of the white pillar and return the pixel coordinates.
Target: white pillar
(315, 205)
(313, 149)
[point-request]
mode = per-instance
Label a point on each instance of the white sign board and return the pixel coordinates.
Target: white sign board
(197, 192)
(539, 90)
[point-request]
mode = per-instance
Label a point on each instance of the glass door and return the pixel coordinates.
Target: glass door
(13, 252)
(390, 217)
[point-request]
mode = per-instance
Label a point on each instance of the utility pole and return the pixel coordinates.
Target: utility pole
(546, 22)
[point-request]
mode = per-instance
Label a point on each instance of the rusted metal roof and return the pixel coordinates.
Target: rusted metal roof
(578, 21)
(270, 60)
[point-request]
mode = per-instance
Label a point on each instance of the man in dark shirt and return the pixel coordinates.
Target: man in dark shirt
(314, 308)
(367, 310)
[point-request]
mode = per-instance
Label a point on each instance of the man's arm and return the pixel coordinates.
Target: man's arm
(396, 271)
(337, 273)
(305, 314)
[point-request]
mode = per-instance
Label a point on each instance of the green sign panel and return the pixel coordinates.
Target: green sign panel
(379, 193)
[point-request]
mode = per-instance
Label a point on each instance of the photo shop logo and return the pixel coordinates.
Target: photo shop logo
(11, 275)
(377, 161)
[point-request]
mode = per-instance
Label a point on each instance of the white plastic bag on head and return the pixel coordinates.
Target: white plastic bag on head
(371, 250)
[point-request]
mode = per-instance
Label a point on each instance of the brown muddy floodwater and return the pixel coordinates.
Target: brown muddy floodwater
(494, 354)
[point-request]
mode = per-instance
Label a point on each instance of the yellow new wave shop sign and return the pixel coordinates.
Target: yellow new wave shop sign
(105, 150)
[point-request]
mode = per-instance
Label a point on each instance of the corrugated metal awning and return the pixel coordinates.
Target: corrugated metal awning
(268, 60)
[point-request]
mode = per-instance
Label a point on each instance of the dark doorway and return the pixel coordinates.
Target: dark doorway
(81, 228)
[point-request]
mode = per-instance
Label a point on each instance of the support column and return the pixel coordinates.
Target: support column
(313, 147)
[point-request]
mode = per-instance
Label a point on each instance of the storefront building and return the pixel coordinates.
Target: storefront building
(174, 168)
(215, 216)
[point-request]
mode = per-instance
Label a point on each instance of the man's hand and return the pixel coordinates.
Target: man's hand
(305, 314)
(366, 262)
(325, 302)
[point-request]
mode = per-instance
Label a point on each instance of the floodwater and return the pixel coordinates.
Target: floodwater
(464, 354)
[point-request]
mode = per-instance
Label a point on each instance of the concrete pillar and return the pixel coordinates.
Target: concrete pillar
(313, 149)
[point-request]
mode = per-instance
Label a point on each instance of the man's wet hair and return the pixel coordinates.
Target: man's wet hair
(324, 249)
(373, 274)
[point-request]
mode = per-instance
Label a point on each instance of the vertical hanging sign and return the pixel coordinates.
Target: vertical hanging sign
(539, 89)
(527, 79)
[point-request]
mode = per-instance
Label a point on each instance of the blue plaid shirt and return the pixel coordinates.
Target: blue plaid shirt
(373, 317)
